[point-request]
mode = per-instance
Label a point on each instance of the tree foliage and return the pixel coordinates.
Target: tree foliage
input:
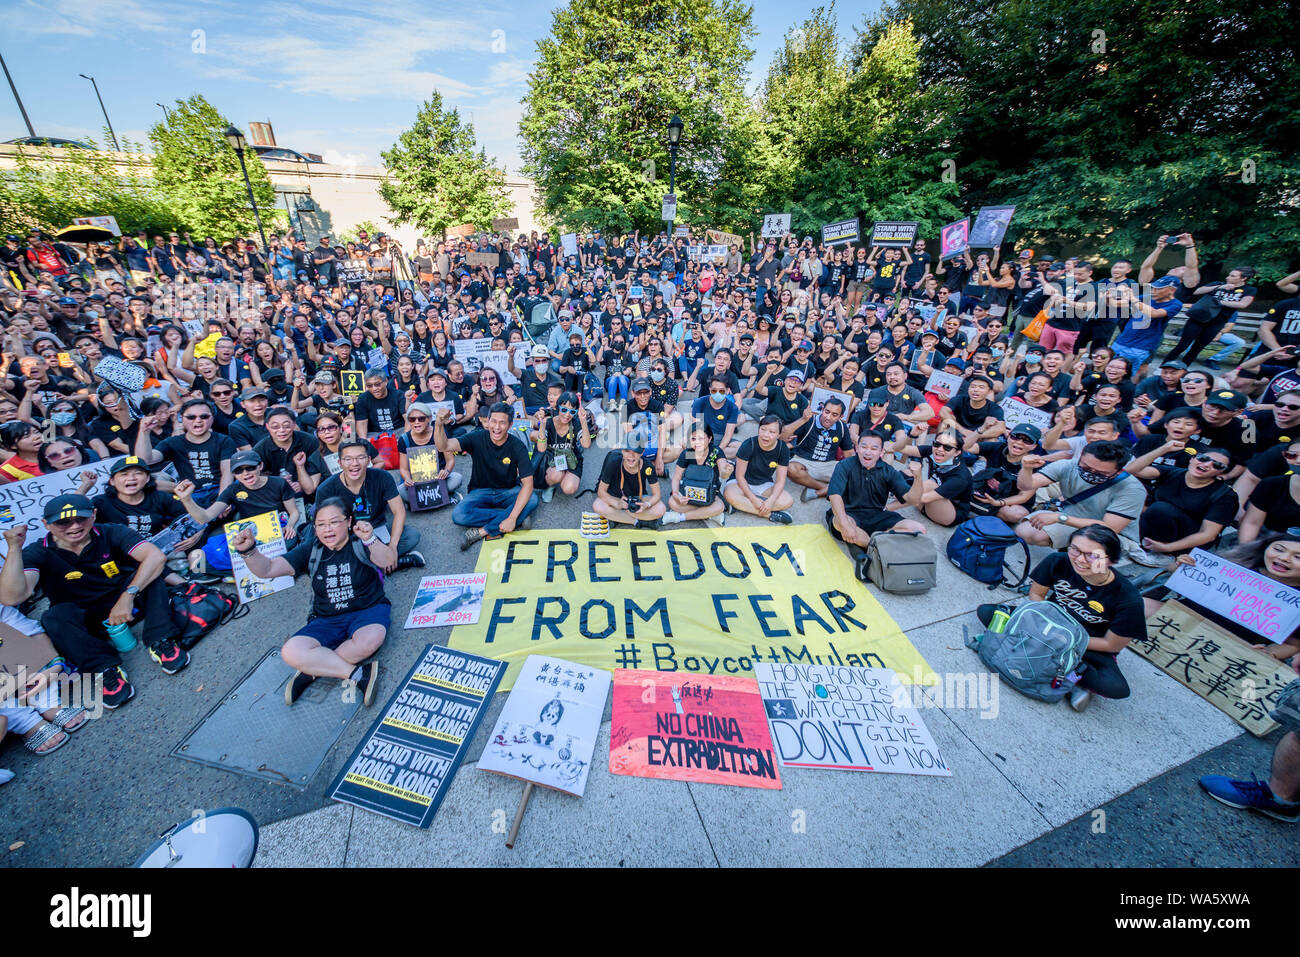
(438, 177)
(199, 172)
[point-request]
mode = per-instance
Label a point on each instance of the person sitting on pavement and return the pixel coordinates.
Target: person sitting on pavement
(859, 492)
(1191, 506)
(375, 499)
(816, 441)
(96, 578)
(993, 488)
(34, 713)
(698, 475)
(350, 613)
(628, 490)
(501, 496)
(719, 414)
(758, 484)
(419, 434)
(1096, 491)
(561, 440)
(941, 484)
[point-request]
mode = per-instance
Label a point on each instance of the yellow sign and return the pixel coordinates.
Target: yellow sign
(354, 381)
(695, 601)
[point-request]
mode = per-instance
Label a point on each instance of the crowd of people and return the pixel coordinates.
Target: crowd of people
(901, 390)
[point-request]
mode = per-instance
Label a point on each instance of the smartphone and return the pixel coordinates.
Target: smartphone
(65, 360)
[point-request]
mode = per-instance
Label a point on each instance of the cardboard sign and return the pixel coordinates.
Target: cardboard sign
(377, 359)
(1015, 412)
(353, 381)
(547, 730)
(462, 231)
(24, 501)
(708, 728)
(776, 225)
(941, 382)
(684, 601)
(21, 658)
(447, 600)
(491, 260)
(1224, 670)
(820, 395)
(954, 239)
(270, 542)
(845, 231)
(991, 224)
(507, 222)
(893, 233)
(717, 237)
(403, 766)
(1250, 599)
(852, 719)
(569, 244)
(104, 222)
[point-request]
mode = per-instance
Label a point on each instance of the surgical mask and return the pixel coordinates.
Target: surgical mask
(717, 398)
(657, 375)
(998, 353)
(541, 368)
(64, 418)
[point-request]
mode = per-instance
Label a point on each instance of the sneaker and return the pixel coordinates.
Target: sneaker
(1080, 698)
(117, 690)
(410, 560)
(295, 688)
(1250, 796)
(672, 518)
(717, 521)
(781, 518)
(367, 678)
(170, 656)
(654, 523)
(548, 495)
(472, 537)
(860, 567)
(456, 498)
(1211, 364)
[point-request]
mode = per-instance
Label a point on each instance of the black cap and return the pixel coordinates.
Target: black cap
(1227, 399)
(1032, 432)
(68, 506)
(129, 462)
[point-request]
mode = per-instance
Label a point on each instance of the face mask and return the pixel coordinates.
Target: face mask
(656, 375)
(717, 398)
(541, 368)
(1091, 477)
(997, 353)
(64, 418)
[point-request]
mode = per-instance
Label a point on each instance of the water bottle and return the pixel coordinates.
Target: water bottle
(999, 622)
(121, 636)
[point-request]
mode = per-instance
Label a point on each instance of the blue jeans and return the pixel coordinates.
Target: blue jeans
(488, 507)
(1230, 345)
(616, 386)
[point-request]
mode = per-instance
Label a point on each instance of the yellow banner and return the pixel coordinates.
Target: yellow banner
(697, 601)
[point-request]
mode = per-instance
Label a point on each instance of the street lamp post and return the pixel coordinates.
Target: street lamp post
(675, 126)
(17, 99)
(166, 112)
(104, 109)
(237, 143)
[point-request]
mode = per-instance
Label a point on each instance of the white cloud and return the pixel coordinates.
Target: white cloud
(509, 72)
(335, 158)
(84, 18)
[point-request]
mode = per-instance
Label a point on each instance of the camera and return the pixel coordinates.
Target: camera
(633, 502)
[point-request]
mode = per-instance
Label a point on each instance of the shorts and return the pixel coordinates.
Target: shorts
(760, 489)
(1287, 710)
(1060, 534)
(858, 286)
(1138, 357)
(820, 471)
(879, 520)
(332, 630)
(1054, 338)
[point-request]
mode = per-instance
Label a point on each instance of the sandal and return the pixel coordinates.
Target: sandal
(70, 719)
(43, 734)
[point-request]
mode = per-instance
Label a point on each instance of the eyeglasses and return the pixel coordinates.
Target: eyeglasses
(1074, 552)
(335, 523)
(354, 460)
(417, 418)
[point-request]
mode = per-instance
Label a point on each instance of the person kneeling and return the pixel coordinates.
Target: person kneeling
(628, 491)
(350, 613)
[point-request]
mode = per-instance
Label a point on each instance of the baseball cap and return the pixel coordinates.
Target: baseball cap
(246, 457)
(253, 392)
(640, 384)
(805, 345)
(795, 374)
(128, 462)
(1174, 364)
(539, 351)
(956, 362)
(1227, 399)
(323, 376)
(1031, 432)
(929, 332)
(1166, 281)
(68, 506)
(66, 301)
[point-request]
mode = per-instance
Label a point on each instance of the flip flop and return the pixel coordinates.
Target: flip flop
(70, 719)
(43, 734)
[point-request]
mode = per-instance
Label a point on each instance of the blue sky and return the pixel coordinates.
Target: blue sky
(336, 78)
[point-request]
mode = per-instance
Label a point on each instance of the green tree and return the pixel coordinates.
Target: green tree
(196, 168)
(350, 235)
(439, 178)
(608, 78)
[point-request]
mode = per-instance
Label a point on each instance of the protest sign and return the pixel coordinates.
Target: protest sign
(504, 223)
(447, 600)
(353, 381)
(683, 601)
(175, 533)
(103, 222)
(462, 231)
(423, 496)
(718, 238)
(991, 224)
(569, 244)
(893, 233)
(24, 502)
(669, 210)
(402, 767)
(820, 395)
(422, 462)
(1224, 670)
(635, 292)
(776, 225)
(474, 354)
(270, 542)
(22, 657)
(943, 382)
(491, 260)
(853, 719)
(353, 271)
(1015, 412)
(377, 359)
(954, 239)
(1249, 599)
(546, 732)
(845, 231)
(428, 491)
(682, 231)
(683, 728)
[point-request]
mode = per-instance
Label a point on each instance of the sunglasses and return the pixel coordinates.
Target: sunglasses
(417, 418)
(1291, 456)
(567, 409)
(1206, 457)
(945, 445)
(195, 418)
(1286, 405)
(245, 468)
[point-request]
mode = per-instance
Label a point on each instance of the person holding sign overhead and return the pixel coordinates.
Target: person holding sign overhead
(350, 614)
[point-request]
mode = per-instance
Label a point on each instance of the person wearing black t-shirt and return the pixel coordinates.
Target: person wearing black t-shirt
(500, 496)
(381, 409)
(859, 492)
(249, 426)
(975, 413)
(1107, 606)
(350, 614)
(374, 498)
(994, 488)
(873, 415)
(562, 439)
(758, 485)
(941, 484)
(286, 452)
(1192, 505)
(628, 490)
(199, 455)
(1274, 506)
(132, 500)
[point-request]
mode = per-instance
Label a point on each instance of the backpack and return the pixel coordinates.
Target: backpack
(359, 550)
(900, 562)
(197, 610)
(979, 548)
(1040, 653)
(699, 482)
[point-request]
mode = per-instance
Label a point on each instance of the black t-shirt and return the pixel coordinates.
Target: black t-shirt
(954, 484)
(106, 429)
(382, 415)
(343, 583)
(998, 477)
(276, 460)
(200, 462)
(621, 483)
(867, 490)
(1285, 316)
(1115, 606)
(889, 428)
(816, 443)
(101, 572)
(1175, 460)
(969, 417)
(155, 512)
(761, 465)
(495, 466)
(1217, 502)
(1273, 497)
(533, 390)
(371, 503)
(727, 378)
(247, 502)
(244, 431)
(787, 410)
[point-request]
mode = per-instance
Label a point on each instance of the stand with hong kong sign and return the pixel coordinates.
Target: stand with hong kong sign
(845, 231)
(893, 234)
(1249, 599)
